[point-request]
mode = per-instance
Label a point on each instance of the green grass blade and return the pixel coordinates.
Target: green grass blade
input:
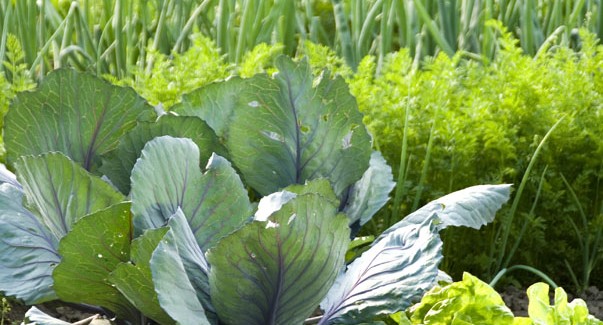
(363, 43)
(400, 182)
(599, 20)
(343, 32)
(437, 35)
(243, 29)
(7, 19)
(527, 27)
(387, 26)
(546, 45)
(530, 269)
(189, 25)
(517, 242)
(44, 50)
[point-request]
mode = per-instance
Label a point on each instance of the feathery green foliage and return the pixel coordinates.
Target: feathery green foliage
(170, 77)
(19, 80)
(488, 121)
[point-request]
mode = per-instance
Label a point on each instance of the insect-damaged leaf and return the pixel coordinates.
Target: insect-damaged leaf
(288, 129)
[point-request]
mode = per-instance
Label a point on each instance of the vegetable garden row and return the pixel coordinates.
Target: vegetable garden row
(282, 162)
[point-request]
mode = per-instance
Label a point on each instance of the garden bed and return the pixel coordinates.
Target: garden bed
(516, 299)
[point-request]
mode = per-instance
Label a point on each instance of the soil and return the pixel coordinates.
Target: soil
(54, 309)
(517, 300)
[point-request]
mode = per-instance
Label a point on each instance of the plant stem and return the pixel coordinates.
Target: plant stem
(508, 222)
(539, 273)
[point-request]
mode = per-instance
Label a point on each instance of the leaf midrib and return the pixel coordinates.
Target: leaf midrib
(298, 149)
(99, 122)
(280, 282)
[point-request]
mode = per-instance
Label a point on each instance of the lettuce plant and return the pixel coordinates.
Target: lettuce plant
(472, 301)
(157, 217)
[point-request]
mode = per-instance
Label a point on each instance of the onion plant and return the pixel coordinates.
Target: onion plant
(111, 36)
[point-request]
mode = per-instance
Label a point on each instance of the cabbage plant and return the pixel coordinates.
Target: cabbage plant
(236, 207)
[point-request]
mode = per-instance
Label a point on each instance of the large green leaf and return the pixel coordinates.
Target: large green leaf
(60, 192)
(386, 278)
(472, 207)
(176, 294)
(118, 163)
(25, 238)
(134, 279)
(276, 271)
(75, 113)
(167, 178)
(90, 252)
(194, 262)
(402, 263)
(287, 129)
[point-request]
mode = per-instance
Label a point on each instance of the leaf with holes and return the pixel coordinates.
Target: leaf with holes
(75, 113)
(90, 252)
(134, 279)
(214, 104)
(288, 129)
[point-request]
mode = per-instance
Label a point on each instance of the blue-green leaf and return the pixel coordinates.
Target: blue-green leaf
(403, 262)
(472, 207)
(167, 177)
(386, 278)
(371, 192)
(194, 262)
(175, 292)
(36, 316)
(214, 104)
(276, 271)
(23, 237)
(60, 192)
(57, 192)
(287, 130)
(6, 176)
